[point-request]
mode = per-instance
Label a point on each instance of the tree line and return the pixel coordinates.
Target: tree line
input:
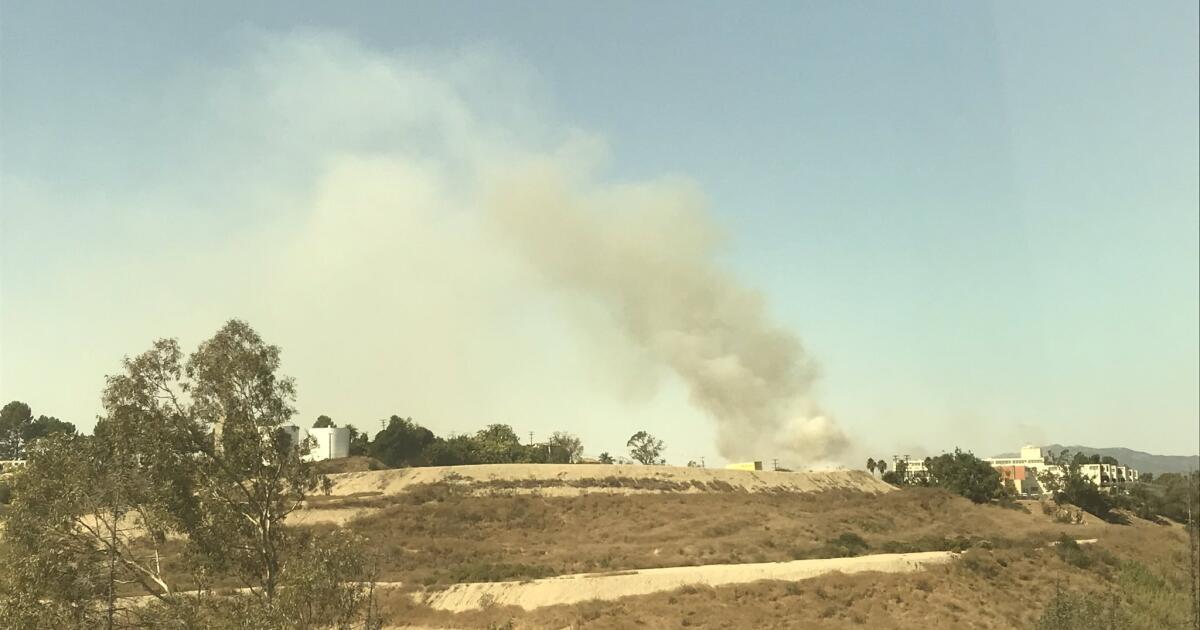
(405, 443)
(19, 429)
(1168, 495)
(960, 472)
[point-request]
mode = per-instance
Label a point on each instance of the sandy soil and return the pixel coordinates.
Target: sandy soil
(388, 482)
(570, 589)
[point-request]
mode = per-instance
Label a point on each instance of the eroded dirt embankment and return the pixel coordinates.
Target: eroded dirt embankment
(572, 479)
(571, 589)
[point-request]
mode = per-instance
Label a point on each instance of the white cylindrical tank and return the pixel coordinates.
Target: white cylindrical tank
(330, 443)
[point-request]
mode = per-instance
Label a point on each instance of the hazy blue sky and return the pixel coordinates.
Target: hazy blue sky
(980, 218)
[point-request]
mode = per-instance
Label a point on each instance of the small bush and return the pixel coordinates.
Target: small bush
(430, 493)
(1153, 601)
(980, 562)
(932, 543)
(497, 572)
(1081, 611)
(724, 529)
(897, 546)
(846, 545)
(1070, 552)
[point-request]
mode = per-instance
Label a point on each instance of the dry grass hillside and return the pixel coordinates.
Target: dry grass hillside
(434, 528)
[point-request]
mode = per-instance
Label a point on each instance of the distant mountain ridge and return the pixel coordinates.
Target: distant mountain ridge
(1142, 462)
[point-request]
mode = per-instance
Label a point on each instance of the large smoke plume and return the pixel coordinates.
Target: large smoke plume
(377, 201)
(645, 255)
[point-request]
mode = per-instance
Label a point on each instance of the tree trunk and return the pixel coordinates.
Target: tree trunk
(112, 570)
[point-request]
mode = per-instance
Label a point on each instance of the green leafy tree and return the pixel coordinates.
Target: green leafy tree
(871, 465)
(499, 444)
(964, 474)
(1170, 495)
(15, 419)
(565, 448)
(324, 422)
(249, 479)
(360, 443)
(454, 451)
(63, 547)
(605, 458)
(19, 429)
(881, 466)
(645, 448)
(1068, 484)
(403, 443)
(45, 426)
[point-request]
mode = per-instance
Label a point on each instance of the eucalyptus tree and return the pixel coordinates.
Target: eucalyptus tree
(190, 449)
(229, 474)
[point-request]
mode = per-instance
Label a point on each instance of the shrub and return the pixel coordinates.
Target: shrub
(1080, 611)
(1151, 600)
(1070, 552)
(981, 562)
(846, 545)
(497, 572)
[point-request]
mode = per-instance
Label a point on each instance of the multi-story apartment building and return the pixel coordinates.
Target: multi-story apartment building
(1026, 470)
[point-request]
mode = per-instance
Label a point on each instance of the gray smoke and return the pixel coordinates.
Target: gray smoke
(645, 255)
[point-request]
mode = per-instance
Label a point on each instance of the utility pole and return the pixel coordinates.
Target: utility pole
(702, 462)
(774, 464)
(531, 438)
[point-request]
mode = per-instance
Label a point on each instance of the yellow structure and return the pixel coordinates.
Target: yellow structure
(744, 466)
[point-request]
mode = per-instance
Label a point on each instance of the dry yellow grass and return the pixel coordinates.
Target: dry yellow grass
(996, 588)
(430, 536)
(444, 534)
(575, 479)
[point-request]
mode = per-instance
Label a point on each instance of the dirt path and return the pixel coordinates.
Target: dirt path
(571, 589)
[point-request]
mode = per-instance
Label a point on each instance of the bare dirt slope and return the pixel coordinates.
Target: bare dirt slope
(574, 479)
(572, 589)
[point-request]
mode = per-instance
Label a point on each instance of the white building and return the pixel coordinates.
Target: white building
(1026, 470)
(1105, 476)
(331, 443)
